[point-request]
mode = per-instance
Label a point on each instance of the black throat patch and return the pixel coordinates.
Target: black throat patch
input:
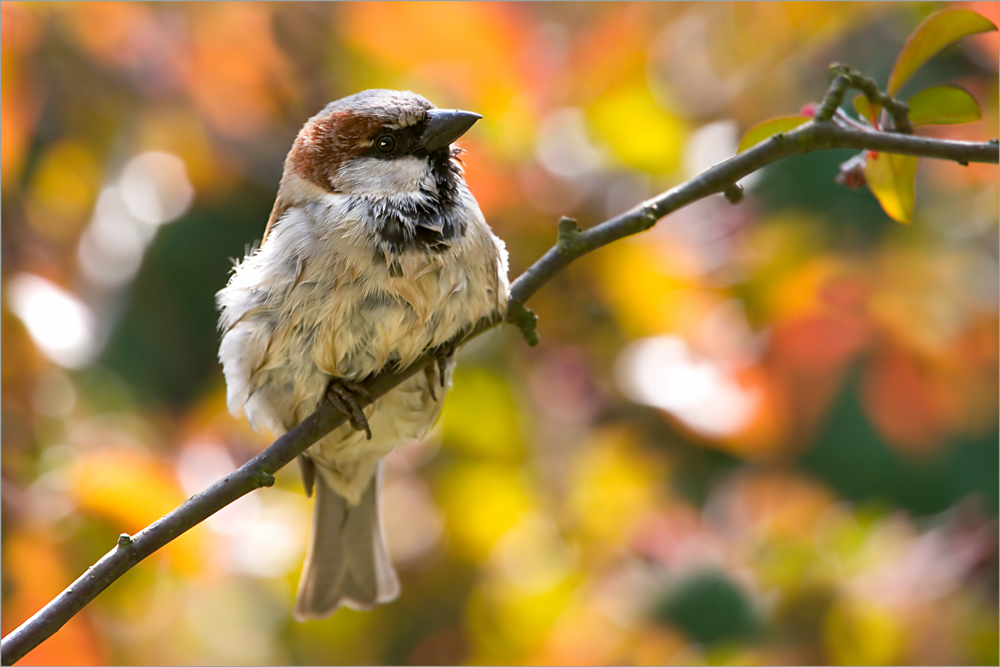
(431, 222)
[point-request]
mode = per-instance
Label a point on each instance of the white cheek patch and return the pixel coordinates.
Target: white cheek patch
(371, 176)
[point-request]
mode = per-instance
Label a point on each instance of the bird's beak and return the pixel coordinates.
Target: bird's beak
(446, 125)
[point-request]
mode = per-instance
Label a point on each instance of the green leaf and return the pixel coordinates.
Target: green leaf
(938, 30)
(864, 109)
(943, 105)
(762, 131)
(891, 179)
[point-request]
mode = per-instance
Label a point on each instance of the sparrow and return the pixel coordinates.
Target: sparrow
(375, 252)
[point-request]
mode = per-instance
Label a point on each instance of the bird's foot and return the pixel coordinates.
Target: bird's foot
(429, 374)
(444, 356)
(344, 395)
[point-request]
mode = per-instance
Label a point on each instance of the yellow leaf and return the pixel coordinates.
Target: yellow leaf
(62, 190)
(133, 489)
(492, 433)
(862, 633)
(482, 501)
(891, 180)
(768, 128)
(654, 287)
(943, 105)
(612, 483)
(935, 33)
(865, 110)
(614, 117)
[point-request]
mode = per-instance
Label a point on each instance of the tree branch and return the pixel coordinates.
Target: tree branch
(899, 111)
(819, 134)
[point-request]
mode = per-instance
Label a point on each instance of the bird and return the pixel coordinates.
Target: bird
(375, 252)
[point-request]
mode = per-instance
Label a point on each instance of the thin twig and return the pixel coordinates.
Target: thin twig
(898, 109)
(820, 134)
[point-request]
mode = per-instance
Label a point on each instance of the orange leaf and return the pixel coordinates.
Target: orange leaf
(768, 128)
(943, 105)
(935, 33)
(905, 402)
(35, 572)
(891, 180)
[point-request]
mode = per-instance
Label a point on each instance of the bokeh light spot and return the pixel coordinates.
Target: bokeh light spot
(59, 323)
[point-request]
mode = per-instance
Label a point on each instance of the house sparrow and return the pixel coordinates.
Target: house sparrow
(375, 252)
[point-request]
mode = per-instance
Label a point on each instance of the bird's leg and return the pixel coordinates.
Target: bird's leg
(429, 374)
(443, 355)
(344, 395)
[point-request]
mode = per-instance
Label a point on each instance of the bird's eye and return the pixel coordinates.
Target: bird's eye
(386, 143)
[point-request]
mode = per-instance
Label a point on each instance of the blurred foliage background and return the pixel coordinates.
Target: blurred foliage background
(763, 433)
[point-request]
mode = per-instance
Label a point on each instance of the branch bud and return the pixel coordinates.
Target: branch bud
(852, 172)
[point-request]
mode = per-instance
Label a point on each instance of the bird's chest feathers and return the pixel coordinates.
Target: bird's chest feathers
(358, 306)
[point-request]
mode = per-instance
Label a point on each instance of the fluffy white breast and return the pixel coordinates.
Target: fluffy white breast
(317, 301)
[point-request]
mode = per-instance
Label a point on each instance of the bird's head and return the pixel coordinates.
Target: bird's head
(379, 142)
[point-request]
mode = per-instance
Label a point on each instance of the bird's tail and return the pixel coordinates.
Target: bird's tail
(348, 563)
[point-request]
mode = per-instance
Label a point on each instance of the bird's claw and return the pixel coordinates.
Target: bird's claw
(429, 374)
(344, 395)
(444, 355)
